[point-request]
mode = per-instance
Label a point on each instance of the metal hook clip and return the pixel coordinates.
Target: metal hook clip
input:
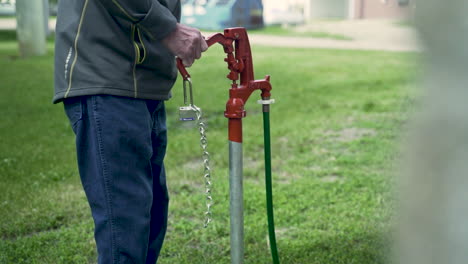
(189, 81)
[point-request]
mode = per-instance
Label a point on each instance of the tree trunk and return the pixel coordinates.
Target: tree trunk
(30, 27)
(46, 17)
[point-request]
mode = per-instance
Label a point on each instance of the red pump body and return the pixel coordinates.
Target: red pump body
(239, 59)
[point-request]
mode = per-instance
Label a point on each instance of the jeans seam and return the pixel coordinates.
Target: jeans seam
(106, 179)
(82, 113)
(155, 118)
(151, 119)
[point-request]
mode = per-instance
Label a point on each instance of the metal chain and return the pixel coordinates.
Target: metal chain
(206, 165)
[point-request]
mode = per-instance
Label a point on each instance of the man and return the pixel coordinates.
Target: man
(114, 67)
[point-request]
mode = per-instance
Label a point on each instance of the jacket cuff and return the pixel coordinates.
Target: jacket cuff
(158, 22)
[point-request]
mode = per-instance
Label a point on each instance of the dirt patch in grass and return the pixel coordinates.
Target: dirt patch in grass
(351, 134)
(195, 164)
(284, 177)
(332, 178)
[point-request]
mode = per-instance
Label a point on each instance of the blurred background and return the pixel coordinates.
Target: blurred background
(345, 76)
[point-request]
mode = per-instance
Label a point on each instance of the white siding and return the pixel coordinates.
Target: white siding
(327, 9)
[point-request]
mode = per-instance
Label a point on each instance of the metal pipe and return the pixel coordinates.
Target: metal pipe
(236, 203)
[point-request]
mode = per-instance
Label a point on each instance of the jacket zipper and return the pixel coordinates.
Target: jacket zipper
(140, 54)
(140, 50)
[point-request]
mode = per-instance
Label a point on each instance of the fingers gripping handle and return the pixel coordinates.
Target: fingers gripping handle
(182, 69)
(218, 37)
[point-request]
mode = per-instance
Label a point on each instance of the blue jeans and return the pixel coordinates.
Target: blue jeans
(121, 143)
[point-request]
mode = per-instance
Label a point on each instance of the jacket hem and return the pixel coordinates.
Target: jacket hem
(74, 92)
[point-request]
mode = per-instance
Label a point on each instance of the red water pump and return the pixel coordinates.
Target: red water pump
(239, 62)
(239, 59)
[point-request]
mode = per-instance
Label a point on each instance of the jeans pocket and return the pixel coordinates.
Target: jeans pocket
(74, 108)
(159, 118)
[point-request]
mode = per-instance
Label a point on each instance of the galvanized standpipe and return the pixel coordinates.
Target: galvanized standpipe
(236, 202)
(236, 189)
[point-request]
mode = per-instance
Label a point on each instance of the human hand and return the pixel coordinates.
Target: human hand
(186, 43)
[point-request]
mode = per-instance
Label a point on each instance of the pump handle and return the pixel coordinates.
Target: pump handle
(218, 37)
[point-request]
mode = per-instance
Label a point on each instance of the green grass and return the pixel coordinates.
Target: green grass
(335, 128)
(14, 17)
(292, 32)
(7, 36)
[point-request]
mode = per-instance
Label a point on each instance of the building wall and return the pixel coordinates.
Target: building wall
(316, 9)
(357, 9)
(381, 9)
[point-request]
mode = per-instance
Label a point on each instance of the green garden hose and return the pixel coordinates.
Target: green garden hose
(268, 184)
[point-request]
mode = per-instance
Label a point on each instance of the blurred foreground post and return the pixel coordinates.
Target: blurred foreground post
(30, 27)
(434, 214)
(46, 16)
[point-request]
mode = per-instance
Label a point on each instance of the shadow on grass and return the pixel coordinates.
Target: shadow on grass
(7, 35)
(10, 35)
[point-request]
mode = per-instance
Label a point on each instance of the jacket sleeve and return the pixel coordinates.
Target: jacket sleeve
(155, 18)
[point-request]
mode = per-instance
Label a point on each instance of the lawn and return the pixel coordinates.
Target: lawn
(293, 32)
(335, 131)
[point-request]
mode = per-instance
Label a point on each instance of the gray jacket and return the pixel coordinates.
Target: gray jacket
(114, 47)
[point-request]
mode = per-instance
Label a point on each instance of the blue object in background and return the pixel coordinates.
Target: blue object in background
(221, 14)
